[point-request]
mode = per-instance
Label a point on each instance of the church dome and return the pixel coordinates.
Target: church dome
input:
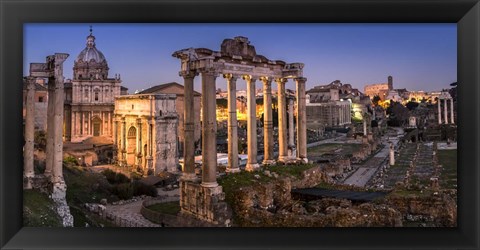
(91, 52)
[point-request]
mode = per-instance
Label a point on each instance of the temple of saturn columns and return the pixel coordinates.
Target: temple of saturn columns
(446, 97)
(236, 60)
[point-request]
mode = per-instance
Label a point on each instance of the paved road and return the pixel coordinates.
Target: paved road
(366, 171)
(131, 211)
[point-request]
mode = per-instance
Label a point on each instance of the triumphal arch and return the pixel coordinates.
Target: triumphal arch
(237, 59)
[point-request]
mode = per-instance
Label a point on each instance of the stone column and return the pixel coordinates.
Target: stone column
(209, 129)
(364, 125)
(439, 111)
(392, 155)
(139, 142)
(188, 126)
(29, 133)
(251, 124)
(124, 148)
(115, 133)
(445, 110)
(291, 131)
(282, 121)
(268, 143)
(150, 146)
(109, 124)
(340, 114)
(232, 124)
(451, 111)
(83, 127)
(301, 120)
(57, 169)
(50, 127)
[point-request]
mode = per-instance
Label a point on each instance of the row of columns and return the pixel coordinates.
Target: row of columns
(209, 152)
(445, 111)
(55, 115)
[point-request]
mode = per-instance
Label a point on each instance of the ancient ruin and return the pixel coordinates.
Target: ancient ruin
(236, 59)
(145, 132)
(53, 70)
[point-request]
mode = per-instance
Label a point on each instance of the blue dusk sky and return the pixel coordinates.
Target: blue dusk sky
(417, 56)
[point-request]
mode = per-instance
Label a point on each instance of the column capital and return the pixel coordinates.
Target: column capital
(300, 79)
(230, 76)
(249, 78)
(281, 80)
(266, 80)
(188, 74)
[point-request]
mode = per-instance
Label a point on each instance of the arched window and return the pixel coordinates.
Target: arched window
(86, 93)
(96, 96)
(132, 132)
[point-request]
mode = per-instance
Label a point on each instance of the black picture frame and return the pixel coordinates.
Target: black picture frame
(466, 13)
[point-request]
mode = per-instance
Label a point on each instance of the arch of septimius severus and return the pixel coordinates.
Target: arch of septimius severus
(236, 60)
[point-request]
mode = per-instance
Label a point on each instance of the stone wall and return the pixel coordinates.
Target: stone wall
(271, 205)
(204, 203)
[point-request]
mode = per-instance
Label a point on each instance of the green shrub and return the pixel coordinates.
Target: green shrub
(124, 191)
(110, 175)
(121, 178)
(70, 161)
(115, 178)
(140, 188)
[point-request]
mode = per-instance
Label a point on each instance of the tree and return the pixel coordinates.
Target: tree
(375, 100)
(411, 105)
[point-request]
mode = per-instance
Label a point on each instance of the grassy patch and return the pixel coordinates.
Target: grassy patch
(448, 160)
(172, 207)
(39, 210)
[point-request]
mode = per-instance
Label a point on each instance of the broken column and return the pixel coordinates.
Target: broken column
(232, 124)
(267, 121)
(251, 124)
(28, 172)
(392, 155)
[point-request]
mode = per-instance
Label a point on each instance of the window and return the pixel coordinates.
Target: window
(86, 93)
(132, 106)
(40, 99)
(132, 132)
(96, 96)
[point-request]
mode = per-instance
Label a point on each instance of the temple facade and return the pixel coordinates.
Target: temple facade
(90, 96)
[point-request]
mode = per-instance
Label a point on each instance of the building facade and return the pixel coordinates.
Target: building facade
(178, 89)
(326, 107)
(90, 96)
(145, 132)
(40, 103)
(379, 89)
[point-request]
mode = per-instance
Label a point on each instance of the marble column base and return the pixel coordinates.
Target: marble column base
(232, 170)
(209, 184)
(269, 162)
(302, 160)
(252, 167)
